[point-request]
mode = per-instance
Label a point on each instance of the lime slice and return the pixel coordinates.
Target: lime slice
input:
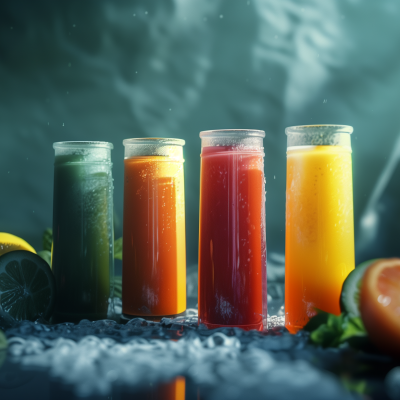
(350, 297)
(27, 286)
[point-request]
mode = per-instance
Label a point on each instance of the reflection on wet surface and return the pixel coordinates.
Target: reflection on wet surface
(17, 383)
(176, 359)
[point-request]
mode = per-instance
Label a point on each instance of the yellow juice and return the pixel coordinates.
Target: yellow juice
(319, 230)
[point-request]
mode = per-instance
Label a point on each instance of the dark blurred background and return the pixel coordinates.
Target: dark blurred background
(110, 70)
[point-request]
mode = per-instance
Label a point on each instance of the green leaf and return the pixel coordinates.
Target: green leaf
(3, 347)
(335, 322)
(118, 249)
(316, 321)
(3, 341)
(355, 386)
(46, 255)
(333, 331)
(47, 239)
(353, 327)
(326, 335)
(118, 286)
(3, 356)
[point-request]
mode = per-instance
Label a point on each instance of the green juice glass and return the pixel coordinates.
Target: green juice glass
(83, 237)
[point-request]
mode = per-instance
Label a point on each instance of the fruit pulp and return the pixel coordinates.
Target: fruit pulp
(154, 248)
(232, 249)
(319, 231)
(83, 238)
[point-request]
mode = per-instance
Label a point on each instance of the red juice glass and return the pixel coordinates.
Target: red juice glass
(232, 245)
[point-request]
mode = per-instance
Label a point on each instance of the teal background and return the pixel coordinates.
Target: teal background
(110, 70)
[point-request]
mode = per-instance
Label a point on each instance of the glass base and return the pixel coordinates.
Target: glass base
(155, 318)
(293, 329)
(258, 327)
(58, 318)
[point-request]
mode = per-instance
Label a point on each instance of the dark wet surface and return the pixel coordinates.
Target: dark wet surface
(176, 359)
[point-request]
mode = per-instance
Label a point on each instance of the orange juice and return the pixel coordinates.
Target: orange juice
(154, 257)
(319, 230)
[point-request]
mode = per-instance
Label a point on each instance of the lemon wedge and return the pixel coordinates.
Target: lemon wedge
(10, 242)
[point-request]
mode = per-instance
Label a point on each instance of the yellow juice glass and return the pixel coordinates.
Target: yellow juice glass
(319, 220)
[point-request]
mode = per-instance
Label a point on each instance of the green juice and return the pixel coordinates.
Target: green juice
(83, 262)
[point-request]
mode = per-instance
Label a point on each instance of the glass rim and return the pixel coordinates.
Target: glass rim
(83, 144)
(320, 127)
(154, 141)
(232, 133)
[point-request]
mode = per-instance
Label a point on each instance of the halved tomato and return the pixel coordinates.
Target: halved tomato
(380, 304)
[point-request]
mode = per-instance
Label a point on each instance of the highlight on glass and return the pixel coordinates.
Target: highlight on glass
(319, 220)
(232, 244)
(83, 239)
(154, 245)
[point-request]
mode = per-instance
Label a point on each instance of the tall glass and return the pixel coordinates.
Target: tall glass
(154, 245)
(83, 239)
(232, 245)
(319, 220)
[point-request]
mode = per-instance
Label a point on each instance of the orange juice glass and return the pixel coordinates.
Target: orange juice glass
(154, 248)
(319, 220)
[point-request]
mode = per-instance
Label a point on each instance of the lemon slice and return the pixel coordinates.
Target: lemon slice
(10, 242)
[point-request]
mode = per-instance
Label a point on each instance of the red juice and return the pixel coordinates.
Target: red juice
(232, 248)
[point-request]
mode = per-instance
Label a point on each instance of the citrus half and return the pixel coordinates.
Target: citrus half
(10, 242)
(27, 286)
(380, 304)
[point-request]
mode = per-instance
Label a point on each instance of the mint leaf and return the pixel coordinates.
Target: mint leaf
(3, 341)
(327, 334)
(3, 347)
(316, 321)
(355, 386)
(324, 336)
(47, 239)
(328, 330)
(46, 255)
(353, 327)
(118, 286)
(118, 249)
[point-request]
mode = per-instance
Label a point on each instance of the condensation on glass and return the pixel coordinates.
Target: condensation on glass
(154, 245)
(83, 238)
(232, 244)
(319, 220)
